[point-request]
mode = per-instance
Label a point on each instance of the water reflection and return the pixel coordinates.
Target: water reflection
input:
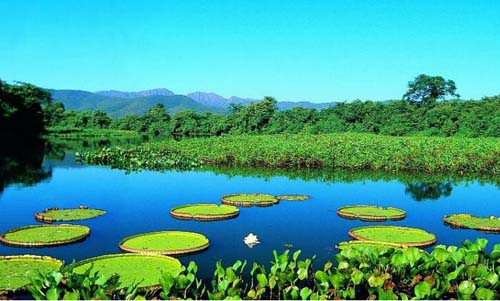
(422, 191)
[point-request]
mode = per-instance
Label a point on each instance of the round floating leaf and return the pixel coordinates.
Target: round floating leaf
(404, 236)
(248, 200)
(70, 214)
(44, 235)
(371, 213)
(15, 270)
(165, 242)
(205, 212)
(132, 268)
(292, 197)
(467, 221)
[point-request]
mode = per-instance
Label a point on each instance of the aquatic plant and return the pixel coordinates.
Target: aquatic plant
(72, 214)
(15, 271)
(133, 269)
(205, 212)
(358, 271)
(371, 213)
(292, 197)
(250, 199)
(489, 224)
(165, 243)
(405, 236)
(429, 155)
(44, 235)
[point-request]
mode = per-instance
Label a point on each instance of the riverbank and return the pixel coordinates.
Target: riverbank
(349, 151)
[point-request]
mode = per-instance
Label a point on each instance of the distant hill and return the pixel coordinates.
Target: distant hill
(122, 106)
(119, 103)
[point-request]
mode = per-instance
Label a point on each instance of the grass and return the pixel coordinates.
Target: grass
(46, 233)
(165, 242)
(68, 132)
(15, 270)
(364, 211)
(473, 222)
(72, 214)
(459, 156)
(393, 234)
(132, 268)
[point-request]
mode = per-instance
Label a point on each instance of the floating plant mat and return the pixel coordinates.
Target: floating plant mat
(371, 213)
(205, 212)
(248, 200)
(165, 243)
(404, 236)
(55, 214)
(132, 268)
(491, 224)
(292, 197)
(44, 235)
(15, 270)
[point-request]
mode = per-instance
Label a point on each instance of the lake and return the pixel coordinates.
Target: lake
(36, 178)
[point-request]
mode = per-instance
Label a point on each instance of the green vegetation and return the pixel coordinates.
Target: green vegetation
(358, 244)
(44, 235)
(16, 270)
(54, 214)
(144, 270)
(205, 212)
(404, 236)
(250, 199)
(165, 242)
(371, 213)
(292, 197)
(347, 151)
(468, 221)
(359, 271)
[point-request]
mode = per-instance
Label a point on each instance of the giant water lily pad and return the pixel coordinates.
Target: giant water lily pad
(74, 214)
(165, 242)
(292, 197)
(132, 268)
(467, 221)
(44, 235)
(250, 199)
(371, 213)
(205, 212)
(15, 270)
(404, 236)
(368, 244)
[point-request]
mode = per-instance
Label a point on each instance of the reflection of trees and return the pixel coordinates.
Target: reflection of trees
(21, 162)
(428, 191)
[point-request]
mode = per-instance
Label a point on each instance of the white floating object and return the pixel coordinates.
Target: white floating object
(251, 240)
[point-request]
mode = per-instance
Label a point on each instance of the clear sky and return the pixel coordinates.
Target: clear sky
(292, 50)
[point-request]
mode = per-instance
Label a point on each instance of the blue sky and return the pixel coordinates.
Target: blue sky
(292, 50)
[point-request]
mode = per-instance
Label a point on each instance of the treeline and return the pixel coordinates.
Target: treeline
(472, 118)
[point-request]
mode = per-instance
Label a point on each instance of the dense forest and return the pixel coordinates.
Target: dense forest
(26, 109)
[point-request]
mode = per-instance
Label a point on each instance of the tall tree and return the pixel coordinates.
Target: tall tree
(427, 89)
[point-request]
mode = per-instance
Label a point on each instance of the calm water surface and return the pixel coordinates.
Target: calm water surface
(140, 202)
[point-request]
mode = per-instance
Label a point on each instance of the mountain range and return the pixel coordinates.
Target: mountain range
(119, 103)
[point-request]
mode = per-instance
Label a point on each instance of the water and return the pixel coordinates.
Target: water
(140, 202)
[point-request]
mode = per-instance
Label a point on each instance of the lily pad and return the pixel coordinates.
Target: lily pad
(15, 270)
(371, 213)
(71, 214)
(405, 236)
(292, 197)
(205, 212)
(248, 200)
(165, 243)
(467, 221)
(367, 244)
(132, 268)
(44, 235)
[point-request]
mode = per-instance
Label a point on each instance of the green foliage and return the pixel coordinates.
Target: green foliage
(68, 285)
(428, 89)
(347, 151)
(357, 272)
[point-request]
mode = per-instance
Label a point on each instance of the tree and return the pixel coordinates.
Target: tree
(427, 89)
